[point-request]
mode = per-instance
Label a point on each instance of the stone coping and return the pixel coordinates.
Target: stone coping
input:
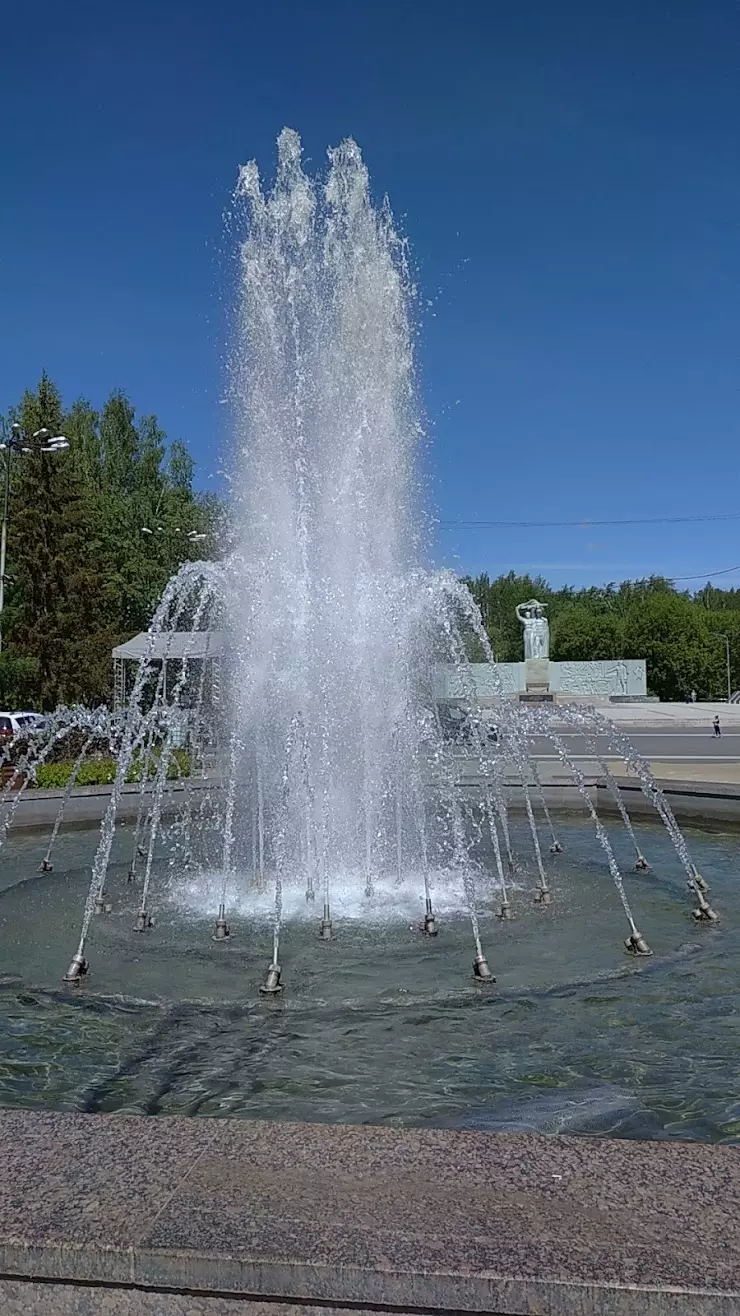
(368, 1217)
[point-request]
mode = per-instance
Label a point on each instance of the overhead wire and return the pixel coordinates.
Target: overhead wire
(586, 523)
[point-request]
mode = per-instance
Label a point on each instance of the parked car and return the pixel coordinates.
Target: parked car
(15, 724)
(36, 720)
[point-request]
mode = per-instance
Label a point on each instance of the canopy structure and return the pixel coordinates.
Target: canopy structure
(167, 647)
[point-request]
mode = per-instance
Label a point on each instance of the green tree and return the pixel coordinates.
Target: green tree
(580, 634)
(58, 618)
(670, 632)
(86, 574)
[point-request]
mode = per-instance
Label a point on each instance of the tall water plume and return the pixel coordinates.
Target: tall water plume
(334, 619)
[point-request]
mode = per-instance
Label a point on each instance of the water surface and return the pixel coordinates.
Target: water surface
(380, 1025)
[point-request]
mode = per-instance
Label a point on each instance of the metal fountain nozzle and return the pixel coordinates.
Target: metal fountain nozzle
(636, 944)
(77, 969)
(222, 931)
(325, 927)
(704, 913)
(272, 985)
(481, 971)
(430, 925)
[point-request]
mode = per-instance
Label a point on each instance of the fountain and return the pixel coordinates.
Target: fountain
(334, 781)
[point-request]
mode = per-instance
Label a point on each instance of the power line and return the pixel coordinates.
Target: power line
(549, 525)
(707, 575)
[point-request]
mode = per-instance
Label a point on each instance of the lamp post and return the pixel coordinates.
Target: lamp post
(21, 442)
(192, 536)
(721, 636)
(195, 536)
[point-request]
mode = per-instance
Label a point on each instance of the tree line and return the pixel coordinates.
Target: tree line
(681, 635)
(83, 574)
(94, 534)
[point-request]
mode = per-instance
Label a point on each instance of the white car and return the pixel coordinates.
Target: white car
(38, 720)
(16, 724)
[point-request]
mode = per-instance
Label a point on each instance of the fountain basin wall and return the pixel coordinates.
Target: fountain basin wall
(178, 1215)
(87, 804)
(693, 801)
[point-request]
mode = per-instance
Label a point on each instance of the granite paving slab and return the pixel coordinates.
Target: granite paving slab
(30, 1298)
(77, 1191)
(435, 1220)
(380, 1215)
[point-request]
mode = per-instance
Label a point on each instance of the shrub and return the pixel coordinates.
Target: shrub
(102, 772)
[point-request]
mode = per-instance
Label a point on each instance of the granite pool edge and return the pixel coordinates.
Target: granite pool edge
(369, 1218)
(691, 801)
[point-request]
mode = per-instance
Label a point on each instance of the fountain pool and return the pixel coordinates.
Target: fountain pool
(298, 941)
(382, 1025)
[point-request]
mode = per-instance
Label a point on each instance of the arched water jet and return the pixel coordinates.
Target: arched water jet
(222, 930)
(497, 791)
(650, 788)
(430, 923)
(260, 813)
(144, 921)
(139, 850)
(176, 597)
(543, 894)
(194, 730)
(367, 815)
(46, 865)
(65, 722)
(461, 866)
(273, 982)
(505, 911)
(293, 766)
(641, 863)
(555, 846)
(308, 819)
(399, 833)
(635, 943)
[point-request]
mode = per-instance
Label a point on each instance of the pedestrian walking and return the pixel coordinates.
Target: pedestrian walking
(693, 696)
(716, 725)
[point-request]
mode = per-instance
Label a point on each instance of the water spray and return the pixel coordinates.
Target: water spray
(46, 865)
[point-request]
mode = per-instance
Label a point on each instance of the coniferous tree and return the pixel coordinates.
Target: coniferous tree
(58, 616)
(95, 534)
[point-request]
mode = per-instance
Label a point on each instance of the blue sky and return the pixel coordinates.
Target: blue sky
(567, 173)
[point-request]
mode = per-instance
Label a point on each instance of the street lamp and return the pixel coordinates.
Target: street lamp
(719, 635)
(194, 536)
(21, 442)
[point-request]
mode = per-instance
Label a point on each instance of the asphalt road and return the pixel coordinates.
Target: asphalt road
(677, 746)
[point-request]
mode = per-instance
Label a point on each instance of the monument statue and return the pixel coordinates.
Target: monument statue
(536, 629)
